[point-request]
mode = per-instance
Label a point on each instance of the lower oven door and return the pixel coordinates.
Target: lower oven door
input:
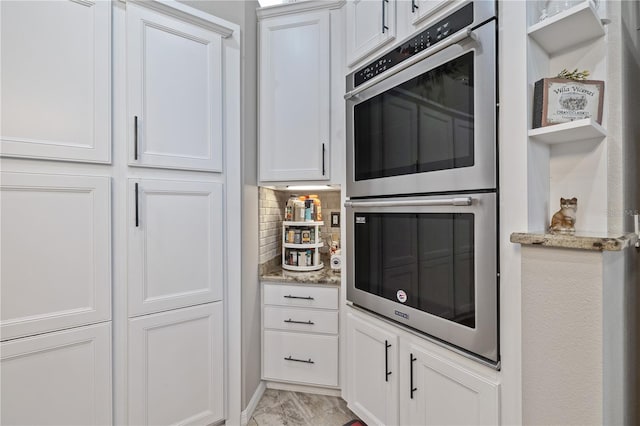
(429, 263)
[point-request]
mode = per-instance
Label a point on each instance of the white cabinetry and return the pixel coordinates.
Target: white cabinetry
(176, 367)
(420, 10)
(56, 80)
(175, 244)
(174, 70)
(56, 252)
(436, 391)
(394, 377)
(372, 371)
(300, 334)
(371, 24)
(294, 110)
(61, 378)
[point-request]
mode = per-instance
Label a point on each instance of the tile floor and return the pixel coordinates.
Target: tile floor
(285, 408)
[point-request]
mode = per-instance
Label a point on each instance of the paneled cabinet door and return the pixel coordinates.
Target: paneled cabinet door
(433, 391)
(56, 80)
(175, 244)
(372, 372)
(174, 71)
(370, 25)
(420, 10)
(61, 378)
(56, 252)
(295, 77)
(176, 366)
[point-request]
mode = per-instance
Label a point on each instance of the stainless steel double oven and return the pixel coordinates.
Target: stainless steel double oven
(422, 182)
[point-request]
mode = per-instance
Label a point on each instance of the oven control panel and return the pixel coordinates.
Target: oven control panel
(441, 30)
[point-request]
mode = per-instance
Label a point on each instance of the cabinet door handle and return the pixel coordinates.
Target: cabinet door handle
(386, 360)
(411, 359)
(299, 322)
(298, 297)
(323, 168)
(307, 361)
(384, 17)
(135, 137)
(137, 217)
(414, 6)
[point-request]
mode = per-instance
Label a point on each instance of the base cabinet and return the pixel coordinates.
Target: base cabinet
(372, 371)
(435, 391)
(61, 378)
(300, 334)
(397, 378)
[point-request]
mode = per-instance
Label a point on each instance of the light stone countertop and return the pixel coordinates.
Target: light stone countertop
(580, 241)
(325, 275)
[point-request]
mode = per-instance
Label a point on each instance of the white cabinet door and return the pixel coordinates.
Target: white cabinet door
(370, 25)
(176, 367)
(61, 378)
(295, 76)
(175, 244)
(372, 371)
(56, 80)
(174, 72)
(56, 252)
(420, 10)
(443, 393)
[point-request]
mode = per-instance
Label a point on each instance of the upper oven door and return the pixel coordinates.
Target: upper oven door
(429, 127)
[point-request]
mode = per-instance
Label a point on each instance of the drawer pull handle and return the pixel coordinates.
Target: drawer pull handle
(299, 297)
(299, 322)
(307, 361)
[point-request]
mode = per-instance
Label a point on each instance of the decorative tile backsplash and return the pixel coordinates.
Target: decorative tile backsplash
(271, 210)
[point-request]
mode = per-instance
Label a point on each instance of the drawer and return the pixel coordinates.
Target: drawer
(302, 358)
(299, 295)
(300, 319)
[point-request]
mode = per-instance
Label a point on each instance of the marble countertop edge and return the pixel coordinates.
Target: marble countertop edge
(325, 276)
(580, 241)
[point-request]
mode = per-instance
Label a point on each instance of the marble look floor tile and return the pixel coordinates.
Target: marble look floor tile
(300, 409)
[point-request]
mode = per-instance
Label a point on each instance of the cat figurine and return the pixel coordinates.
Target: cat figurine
(563, 222)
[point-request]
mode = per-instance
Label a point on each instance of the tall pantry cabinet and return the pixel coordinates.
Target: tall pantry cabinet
(113, 260)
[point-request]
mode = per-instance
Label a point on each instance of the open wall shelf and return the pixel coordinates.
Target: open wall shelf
(569, 28)
(572, 131)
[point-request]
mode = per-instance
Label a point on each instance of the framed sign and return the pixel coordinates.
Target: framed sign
(558, 100)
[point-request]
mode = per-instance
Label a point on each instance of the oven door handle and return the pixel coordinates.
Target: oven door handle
(457, 38)
(458, 201)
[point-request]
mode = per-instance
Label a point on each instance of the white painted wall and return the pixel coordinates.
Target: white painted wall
(562, 336)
